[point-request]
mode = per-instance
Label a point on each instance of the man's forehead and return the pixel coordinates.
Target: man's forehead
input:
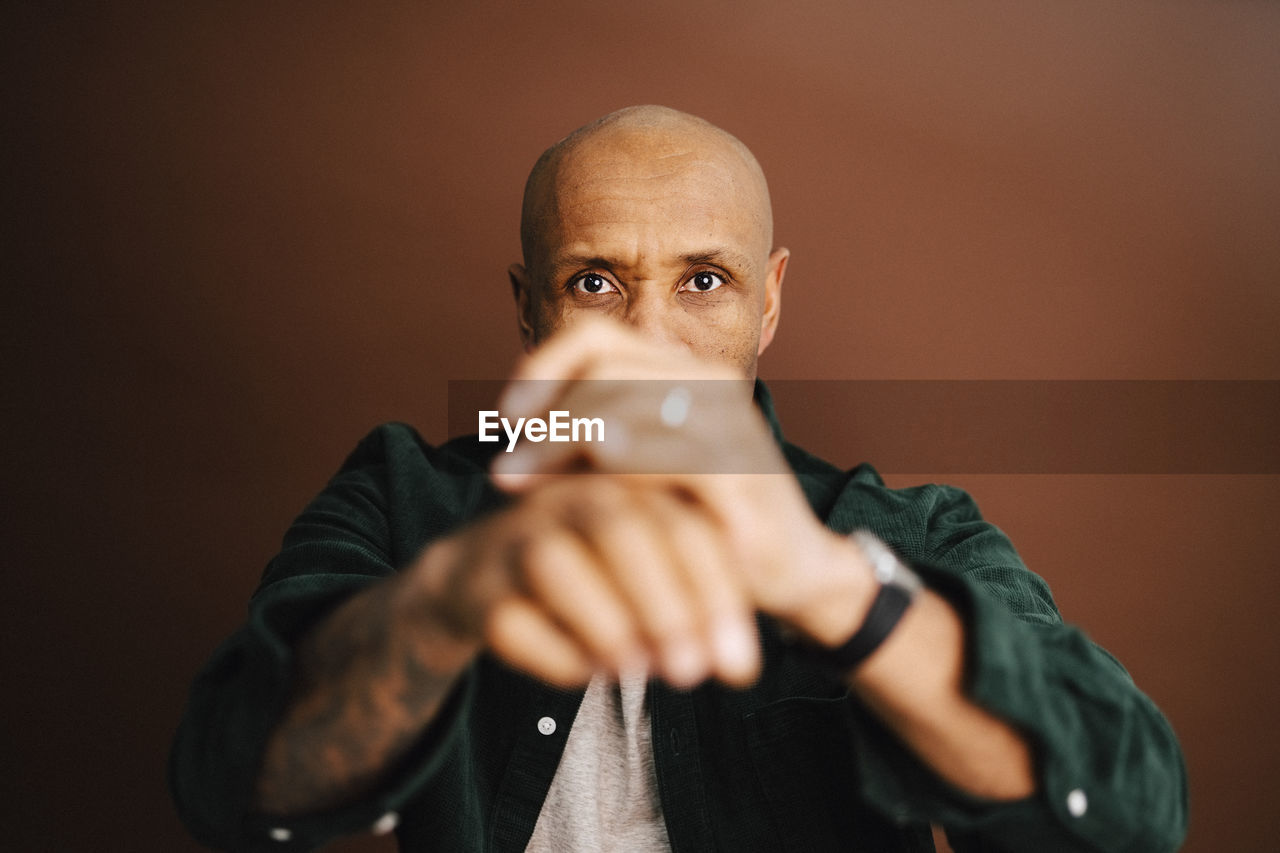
(670, 231)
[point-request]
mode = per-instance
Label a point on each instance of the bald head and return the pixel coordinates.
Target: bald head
(641, 144)
(656, 219)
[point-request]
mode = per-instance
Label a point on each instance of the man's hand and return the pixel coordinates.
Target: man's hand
(593, 573)
(719, 455)
(690, 429)
(582, 575)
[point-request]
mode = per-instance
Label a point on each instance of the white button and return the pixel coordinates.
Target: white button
(1077, 803)
(385, 824)
(547, 726)
(280, 833)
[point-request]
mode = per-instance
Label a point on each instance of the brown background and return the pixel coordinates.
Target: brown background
(235, 238)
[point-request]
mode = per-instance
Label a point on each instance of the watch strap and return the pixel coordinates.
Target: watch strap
(898, 588)
(883, 615)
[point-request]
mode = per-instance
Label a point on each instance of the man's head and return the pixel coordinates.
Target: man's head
(657, 219)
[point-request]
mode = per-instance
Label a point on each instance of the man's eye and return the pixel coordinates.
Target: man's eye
(593, 283)
(703, 282)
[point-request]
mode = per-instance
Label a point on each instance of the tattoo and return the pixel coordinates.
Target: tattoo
(364, 696)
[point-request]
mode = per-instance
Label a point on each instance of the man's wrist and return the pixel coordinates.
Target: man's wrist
(839, 602)
(843, 644)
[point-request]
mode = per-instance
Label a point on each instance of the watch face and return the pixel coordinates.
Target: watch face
(885, 565)
(877, 554)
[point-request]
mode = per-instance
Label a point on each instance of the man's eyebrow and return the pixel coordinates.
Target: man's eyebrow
(582, 262)
(719, 257)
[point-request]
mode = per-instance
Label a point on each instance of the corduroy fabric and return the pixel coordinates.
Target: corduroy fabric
(792, 763)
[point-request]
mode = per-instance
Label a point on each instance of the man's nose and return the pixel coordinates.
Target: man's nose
(651, 316)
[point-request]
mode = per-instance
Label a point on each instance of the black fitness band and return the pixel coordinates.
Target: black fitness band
(898, 587)
(886, 609)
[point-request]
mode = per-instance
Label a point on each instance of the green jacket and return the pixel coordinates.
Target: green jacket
(792, 763)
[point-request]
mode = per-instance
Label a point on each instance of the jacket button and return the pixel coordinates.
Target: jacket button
(280, 833)
(547, 726)
(385, 824)
(1077, 803)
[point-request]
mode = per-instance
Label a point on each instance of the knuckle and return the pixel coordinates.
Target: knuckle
(540, 561)
(675, 619)
(500, 625)
(613, 528)
(607, 492)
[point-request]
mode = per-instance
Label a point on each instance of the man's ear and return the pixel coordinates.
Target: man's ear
(520, 285)
(772, 296)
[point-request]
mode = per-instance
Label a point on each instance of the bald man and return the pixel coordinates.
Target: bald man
(541, 650)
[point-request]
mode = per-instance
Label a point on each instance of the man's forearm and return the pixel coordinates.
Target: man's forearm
(368, 683)
(914, 683)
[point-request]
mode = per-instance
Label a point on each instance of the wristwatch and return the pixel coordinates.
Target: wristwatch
(898, 588)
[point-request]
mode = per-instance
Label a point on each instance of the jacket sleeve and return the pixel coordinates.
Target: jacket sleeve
(340, 544)
(1110, 772)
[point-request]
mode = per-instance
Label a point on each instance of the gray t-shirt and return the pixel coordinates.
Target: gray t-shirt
(605, 792)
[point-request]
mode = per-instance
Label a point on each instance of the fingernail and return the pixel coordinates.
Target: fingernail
(513, 466)
(683, 662)
(735, 647)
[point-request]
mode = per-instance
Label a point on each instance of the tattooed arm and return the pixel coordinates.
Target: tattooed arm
(578, 575)
(369, 679)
